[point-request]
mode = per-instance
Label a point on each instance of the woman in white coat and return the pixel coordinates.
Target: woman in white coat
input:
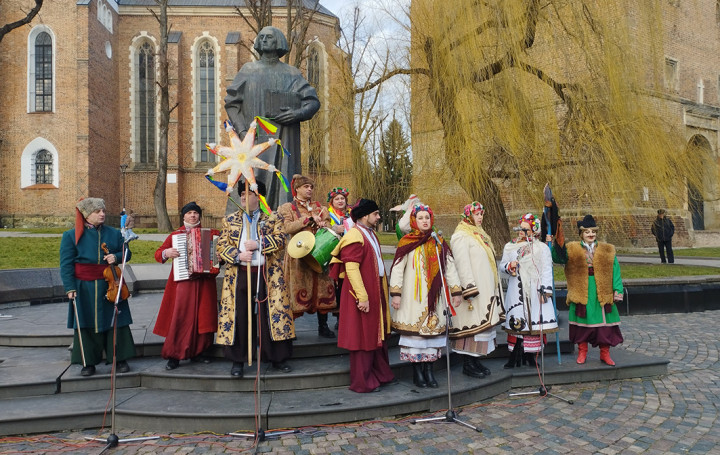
(529, 309)
(417, 295)
(473, 329)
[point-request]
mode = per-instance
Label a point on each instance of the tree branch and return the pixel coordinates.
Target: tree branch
(7, 28)
(388, 75)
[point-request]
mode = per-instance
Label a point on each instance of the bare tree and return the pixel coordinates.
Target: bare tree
(159, 194)
(29, 16)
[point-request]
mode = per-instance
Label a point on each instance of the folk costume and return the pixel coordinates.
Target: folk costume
(415, 278)
(340, 222)
(528, 301)
(276, 318)
(188, 311)
(473, 329)
(339, 217)
(594, 287)
(309, 291)
(82, 265)
(357, 259)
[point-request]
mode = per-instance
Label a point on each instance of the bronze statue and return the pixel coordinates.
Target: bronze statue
(277, 91)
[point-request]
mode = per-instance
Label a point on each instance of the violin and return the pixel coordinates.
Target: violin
(112, 276)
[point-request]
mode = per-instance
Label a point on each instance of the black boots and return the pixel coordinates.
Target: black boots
(423, 375)
(418, 377)
(516, 355)
(323, 329)
(469, 368)
(429, 375)
(529, 359)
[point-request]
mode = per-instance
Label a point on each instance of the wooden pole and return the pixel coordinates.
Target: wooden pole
(249, 276)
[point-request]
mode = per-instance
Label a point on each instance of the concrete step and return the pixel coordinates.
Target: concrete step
(143, 402)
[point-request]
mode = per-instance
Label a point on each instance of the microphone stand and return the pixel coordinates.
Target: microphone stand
(260, 435)
(450, 415)
(543, 390)
(113, 440)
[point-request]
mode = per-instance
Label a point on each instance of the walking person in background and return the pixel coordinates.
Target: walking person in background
(663, 229)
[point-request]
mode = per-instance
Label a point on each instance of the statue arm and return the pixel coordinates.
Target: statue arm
(234, 104)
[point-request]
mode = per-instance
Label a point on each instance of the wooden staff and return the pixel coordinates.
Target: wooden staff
(249, 277)
(79, 334)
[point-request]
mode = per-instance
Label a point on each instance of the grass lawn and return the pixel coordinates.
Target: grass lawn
(708, 252)
(39, 252)
(652, 271)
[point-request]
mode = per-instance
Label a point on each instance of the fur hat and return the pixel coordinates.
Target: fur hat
(90, 204)
(190, 206)
(83, 209)
(363, 207)
(298, 181)
(586, 223)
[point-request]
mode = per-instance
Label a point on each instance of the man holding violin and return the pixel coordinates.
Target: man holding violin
(83, 269)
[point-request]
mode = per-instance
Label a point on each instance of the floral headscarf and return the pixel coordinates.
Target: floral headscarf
(337, 190)
(470, 210)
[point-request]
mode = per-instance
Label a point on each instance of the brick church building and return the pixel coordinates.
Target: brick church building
(80, 111)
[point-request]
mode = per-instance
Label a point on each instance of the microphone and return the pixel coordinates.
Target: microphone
(435, 237)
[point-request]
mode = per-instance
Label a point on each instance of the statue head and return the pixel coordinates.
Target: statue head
(271, 38)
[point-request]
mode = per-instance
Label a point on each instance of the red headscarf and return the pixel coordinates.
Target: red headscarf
(417, 239)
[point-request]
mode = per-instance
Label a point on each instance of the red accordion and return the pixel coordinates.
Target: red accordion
(198, 254)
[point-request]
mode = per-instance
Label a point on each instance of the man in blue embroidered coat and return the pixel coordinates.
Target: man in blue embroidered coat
(82, 262)
(264, 249)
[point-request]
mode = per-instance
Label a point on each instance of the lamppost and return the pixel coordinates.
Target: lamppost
(123, 168)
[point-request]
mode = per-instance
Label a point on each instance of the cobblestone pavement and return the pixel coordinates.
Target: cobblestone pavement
(676, 413)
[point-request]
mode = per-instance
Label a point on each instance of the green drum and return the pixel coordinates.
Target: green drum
(325, 242)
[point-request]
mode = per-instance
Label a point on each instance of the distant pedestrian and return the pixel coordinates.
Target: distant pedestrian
(663, 229)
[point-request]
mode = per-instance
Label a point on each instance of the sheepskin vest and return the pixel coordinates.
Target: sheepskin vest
(576, 273)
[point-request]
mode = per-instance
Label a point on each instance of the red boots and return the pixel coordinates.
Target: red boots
(605, 355)
(582, 353)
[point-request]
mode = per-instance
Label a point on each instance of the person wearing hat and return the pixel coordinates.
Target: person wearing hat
(473, 330)
(82, 263)
(365, 313)
(340, 219)
(529, 310)
(263, 254)
(340, 223)
(594, 287)
(663, 229)
(416, 289)
(309, 291)
(188, 312)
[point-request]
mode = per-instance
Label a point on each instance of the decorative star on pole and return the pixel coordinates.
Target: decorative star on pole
(241, 158)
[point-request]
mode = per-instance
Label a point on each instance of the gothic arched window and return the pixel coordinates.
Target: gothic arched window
(43, 73)
(145, 124)
(206, 102)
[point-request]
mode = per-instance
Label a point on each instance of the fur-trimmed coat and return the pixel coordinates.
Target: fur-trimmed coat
(282, 326)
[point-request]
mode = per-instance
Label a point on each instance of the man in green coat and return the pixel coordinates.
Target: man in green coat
(82, 262)
(594, 288)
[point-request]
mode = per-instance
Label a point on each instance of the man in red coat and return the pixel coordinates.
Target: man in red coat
(188, 312)
(364, 311)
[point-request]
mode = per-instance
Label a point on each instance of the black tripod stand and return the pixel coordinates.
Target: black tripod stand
(260, 435)
(543, 292)
(450, 415)
(113, 440)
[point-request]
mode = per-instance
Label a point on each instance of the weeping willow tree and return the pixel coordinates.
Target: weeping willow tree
(511, 94)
